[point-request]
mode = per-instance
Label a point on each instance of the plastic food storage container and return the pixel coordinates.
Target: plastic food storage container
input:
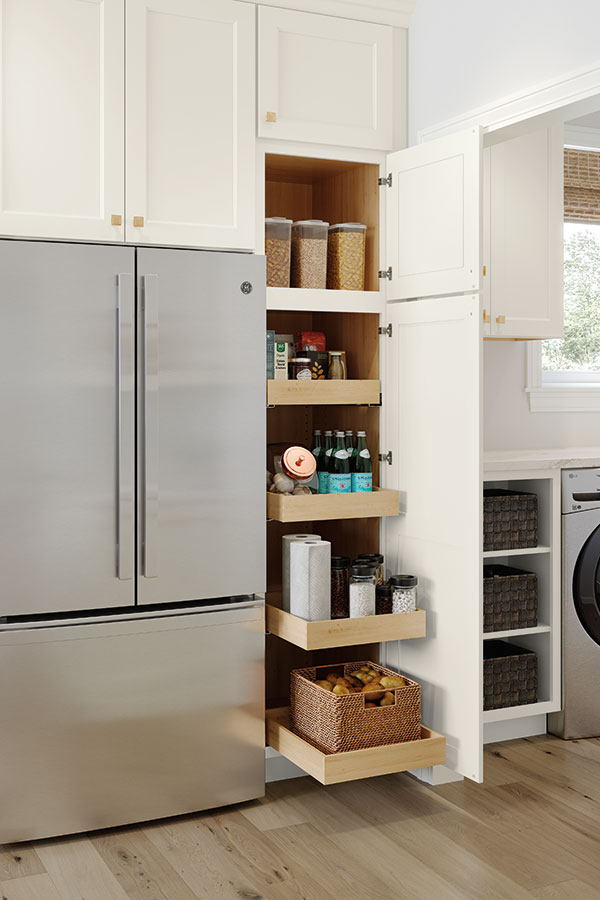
(346, 256)
(309, 254)
(278, 250)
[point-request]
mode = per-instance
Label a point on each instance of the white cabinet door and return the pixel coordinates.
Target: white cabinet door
(190, 123)
(324, 79)
(433, 383)
(433, 217)
(526, 235)
(61, 118)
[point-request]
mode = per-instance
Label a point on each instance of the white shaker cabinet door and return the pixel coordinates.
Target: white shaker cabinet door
(525, 222)
(61, 119)
(324, 80)
(190, 123)
(433, 213)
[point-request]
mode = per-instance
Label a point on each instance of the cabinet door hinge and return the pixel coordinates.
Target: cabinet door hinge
(385, 273)
(387, 180)
(387, 330)
(386, 457)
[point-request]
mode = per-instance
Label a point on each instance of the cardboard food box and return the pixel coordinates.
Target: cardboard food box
(270, 355)
(319, 363)
(281, 361)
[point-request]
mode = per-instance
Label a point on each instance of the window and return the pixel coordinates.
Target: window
(564, 374)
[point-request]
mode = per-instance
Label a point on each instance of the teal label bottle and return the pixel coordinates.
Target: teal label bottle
(340, 478)
(362, 474)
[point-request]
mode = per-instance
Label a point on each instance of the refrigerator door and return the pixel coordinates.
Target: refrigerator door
(124, 721)
(67, 412)
(201, 378)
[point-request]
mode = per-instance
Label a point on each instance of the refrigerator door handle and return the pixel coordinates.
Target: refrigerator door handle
(150, 427)
(125, 428)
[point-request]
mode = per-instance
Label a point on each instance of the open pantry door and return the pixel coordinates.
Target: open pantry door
(433, 213)
(433, 428)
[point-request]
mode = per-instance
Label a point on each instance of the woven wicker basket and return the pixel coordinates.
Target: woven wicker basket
(510, 675)
(510, 520)
(334, 723)
(510, 598)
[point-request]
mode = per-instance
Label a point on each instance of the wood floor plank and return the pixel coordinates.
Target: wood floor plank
(141, 871)
(18, 860)
(30, 887)
(272, 812)
(567, 890)
(77, 870)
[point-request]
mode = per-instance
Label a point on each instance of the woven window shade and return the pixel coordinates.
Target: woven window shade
(582, 186)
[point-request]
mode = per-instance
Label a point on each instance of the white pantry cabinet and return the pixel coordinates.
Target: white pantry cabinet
(190, 123)
(61, 120)
(324, 80)
(523, 236)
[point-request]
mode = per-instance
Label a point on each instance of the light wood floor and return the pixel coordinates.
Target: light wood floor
(531, 831)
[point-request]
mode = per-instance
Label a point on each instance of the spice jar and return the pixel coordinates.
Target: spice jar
(362, 591)
(300, 368)
(337, 365)
(340, 598)
(309, 253)
(383, 599)
(278, 245)
(404, 593)
(375, 559)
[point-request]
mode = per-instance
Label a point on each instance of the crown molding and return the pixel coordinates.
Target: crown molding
(578, 90)
(582, 136)
(381, 12)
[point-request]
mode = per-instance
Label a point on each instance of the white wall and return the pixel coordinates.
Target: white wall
(509, 425)
(467, 53)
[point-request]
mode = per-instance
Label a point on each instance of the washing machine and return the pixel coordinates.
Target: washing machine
(580, 716)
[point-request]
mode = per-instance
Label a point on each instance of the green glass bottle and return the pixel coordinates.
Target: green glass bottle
(340, 479)
(316, 448)
(362, 470)
(323, 463)
(350, 446)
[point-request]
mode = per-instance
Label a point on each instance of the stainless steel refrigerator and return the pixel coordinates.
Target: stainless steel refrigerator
(132, 534)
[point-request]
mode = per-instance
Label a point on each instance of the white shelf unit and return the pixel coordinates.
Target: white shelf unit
(545, 561)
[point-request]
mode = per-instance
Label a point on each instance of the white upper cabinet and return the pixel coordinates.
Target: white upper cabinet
(433, 211)
(324, 80)
(61, 119)
(190, 123)
(524, 221)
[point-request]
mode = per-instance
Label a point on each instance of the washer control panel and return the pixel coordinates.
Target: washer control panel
(580, 489)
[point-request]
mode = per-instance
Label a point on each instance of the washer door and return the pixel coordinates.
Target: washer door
(586, 586)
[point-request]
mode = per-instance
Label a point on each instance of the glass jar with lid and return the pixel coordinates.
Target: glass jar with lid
(362, 591)
(340, 585)
(404, 593)
(337, 365)
(376, 559)
(383, 600)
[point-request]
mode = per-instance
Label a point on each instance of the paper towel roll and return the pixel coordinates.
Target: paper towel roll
(286, 540)
(310, 579)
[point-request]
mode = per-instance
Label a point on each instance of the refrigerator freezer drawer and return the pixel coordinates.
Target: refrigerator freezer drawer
(108, 724)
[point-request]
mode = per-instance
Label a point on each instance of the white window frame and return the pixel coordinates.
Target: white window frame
(559, 391)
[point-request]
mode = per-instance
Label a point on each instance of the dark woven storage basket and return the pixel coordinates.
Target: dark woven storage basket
(510, 675)
(510, 598)
(510, 520)
(335, 723)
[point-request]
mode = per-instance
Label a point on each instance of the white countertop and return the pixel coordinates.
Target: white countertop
(565, 458)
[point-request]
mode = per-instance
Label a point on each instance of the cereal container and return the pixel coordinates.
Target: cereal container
(278, 233)
(346, 256)
(309, 254)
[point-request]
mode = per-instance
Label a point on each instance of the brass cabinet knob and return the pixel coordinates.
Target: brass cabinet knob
(271, 117)
(486, 316)
(138, 221)
(116, 220)
(500, 320)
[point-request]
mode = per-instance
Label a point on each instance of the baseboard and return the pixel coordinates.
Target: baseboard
(514, 728)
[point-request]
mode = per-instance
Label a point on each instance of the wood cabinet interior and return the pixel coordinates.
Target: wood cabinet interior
(358, 335)
(298, 187)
